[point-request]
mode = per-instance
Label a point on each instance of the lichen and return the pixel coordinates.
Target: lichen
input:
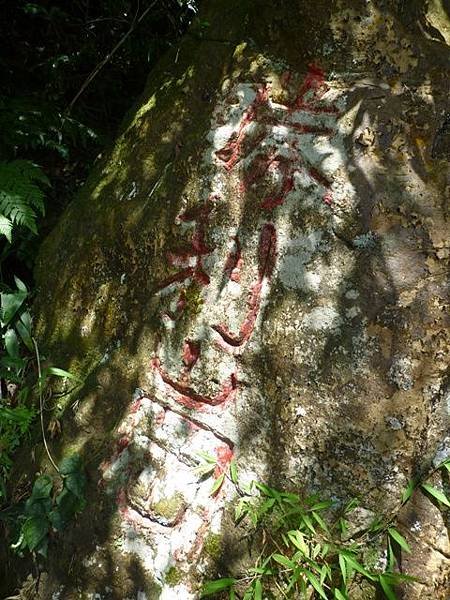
(169, 508)
(213, 545)
(174, 576)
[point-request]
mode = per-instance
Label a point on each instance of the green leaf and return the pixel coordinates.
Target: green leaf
(10, 305)
(34, 530)
(395, 535)
(212, 587)
(339, 595)
(20, 284)
(25, 335)
(207, 457)
(71, 464)
(320, 521)
(258, 590)
(307, 521)
(445, 465)
(283, 560)
(388, 591)
(233, 472)
(217, 484)
(297, 539)
(343, 567)
(12, 344)
(42, 488)
(61, 373)
(315, 583)
(352, 562)
(6, 227)
(407, 493)
(440, 496)
(204, 469)
(76, 483)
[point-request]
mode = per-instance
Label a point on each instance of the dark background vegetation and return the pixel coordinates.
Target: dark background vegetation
(48, 114)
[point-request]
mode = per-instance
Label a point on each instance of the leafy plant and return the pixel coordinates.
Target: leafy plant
(48, 510)
(302, 553)
(21, 195)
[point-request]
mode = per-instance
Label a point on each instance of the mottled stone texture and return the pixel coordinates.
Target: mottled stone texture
(258, 270)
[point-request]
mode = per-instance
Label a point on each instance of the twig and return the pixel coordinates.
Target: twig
(41, 405)
(108, 57)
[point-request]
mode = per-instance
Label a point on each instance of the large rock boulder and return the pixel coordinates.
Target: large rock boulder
(258, 271)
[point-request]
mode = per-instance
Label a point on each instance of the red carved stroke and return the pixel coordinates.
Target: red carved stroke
(179, 257)
(266, 262)
(234, 262)
(314, 85)
(189, 397)
(231, 152)
(315, 82)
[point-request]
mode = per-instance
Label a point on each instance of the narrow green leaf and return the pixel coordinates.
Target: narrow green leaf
(307, 521)
(233, 472)
(204, 469)
(343, 566)
(445, 465)
(390, 556)
(395, 535)
(297, 539)
(351, 561)
(61, 373)
(217, 484)
(283, 560)
(212, 587)
(319, 520)
(388, 591)
(25, 335)
(315, 583)
(20, 284)
(440, 496)
(407, 493)
(339, 595)
(258, 590)
(207, 457)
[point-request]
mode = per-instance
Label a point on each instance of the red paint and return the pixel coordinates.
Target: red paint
(315, 85)
(181, 256)
(234, 262)
(191, 353)
(266, 262)
(231, 153)
(224, 457)
(189, 397)
(122, 443)
(273, 201)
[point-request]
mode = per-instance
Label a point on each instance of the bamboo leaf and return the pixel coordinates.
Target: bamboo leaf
(283, 560)
(233, 472)
(212, 587)
(395, 535)
(315, 583)
(388, 591)
(217, 484)
(440, 496)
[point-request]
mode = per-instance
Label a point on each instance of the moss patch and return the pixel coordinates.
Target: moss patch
(174, 576)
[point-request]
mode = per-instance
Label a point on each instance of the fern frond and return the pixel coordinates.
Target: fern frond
(6, 227)
(21, 195)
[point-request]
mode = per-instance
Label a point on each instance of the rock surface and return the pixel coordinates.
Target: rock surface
(257, 271)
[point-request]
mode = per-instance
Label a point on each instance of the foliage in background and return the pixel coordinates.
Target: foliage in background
(50, 507)
(48, 142)
(303, 550)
